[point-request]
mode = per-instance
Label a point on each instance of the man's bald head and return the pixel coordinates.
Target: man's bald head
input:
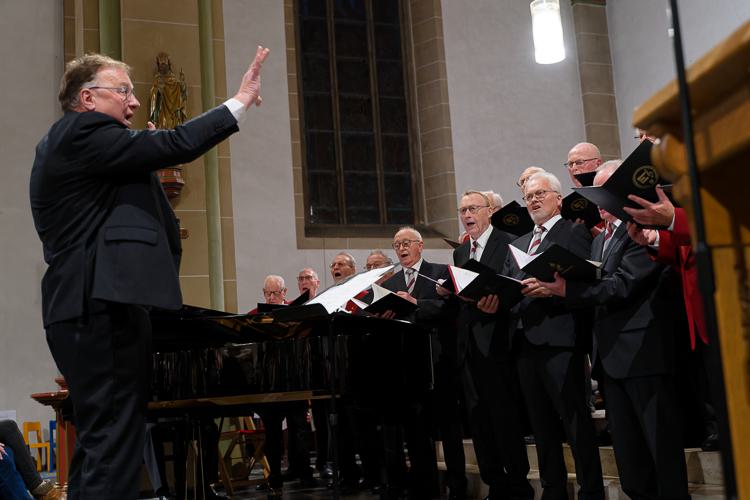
(583, 157)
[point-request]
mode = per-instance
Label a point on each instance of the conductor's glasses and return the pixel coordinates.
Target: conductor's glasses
(124, 91)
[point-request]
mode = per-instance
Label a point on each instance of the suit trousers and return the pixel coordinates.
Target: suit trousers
(105, 357)
(495, 417)
(553, 381)
(646, 436)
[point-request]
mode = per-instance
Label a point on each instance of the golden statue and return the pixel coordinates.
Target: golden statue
(167, 106)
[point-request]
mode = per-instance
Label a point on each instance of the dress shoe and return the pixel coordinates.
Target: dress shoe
(711, 443)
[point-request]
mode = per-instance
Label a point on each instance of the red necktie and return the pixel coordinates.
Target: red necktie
(473, 253)
(538, 230)
(607, 235)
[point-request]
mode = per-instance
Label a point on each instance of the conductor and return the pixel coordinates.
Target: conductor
(111, 243)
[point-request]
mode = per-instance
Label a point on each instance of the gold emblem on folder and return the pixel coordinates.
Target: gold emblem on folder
(645, 177)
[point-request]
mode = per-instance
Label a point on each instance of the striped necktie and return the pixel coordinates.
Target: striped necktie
(411, 279)
(607, 236)
(537, 239)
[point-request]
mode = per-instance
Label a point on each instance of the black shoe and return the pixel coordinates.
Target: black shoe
(711, 443)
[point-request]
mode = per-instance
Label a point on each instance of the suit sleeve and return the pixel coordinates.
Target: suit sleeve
(632, 275)
(108, 149)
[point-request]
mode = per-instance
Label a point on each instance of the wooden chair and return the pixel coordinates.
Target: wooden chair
(40, 445)
(235, 471)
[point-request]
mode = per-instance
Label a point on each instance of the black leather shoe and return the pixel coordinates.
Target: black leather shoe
(711, 443)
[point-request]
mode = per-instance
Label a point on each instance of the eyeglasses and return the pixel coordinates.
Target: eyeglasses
(472, 209)
(577, 163)
(540, 195)
(306, 277)
(403, 243)
(124, 91)
(270, 293)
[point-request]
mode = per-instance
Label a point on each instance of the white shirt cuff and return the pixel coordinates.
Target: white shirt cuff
(671, 226)
(237, 109)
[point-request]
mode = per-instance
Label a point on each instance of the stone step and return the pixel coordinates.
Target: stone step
(703, 467)
(476, 489)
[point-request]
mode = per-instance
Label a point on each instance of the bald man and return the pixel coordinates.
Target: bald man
(582, 158)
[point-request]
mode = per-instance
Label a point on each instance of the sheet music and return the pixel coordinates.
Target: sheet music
(522, 258)
(461, 277)
(337, 296)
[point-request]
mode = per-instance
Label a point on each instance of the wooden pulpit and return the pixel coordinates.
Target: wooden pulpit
(719, 86)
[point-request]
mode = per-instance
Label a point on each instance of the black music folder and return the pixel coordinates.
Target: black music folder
(543, 266)
(586, 178)
(635, 176)
(575, 206)
(475, 280)
(513, 218)
(385, 300)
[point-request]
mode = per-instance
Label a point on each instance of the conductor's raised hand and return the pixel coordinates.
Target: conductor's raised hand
(249, 91)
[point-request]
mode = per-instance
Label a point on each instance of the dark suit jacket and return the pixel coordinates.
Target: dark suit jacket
(429, 302)
(547, 321)
(106, 226)
(489, 331)
(634, 301)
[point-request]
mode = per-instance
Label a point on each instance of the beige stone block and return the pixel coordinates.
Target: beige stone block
(195, 247)
(437, 162)
(229, 266)
(230, 296)
(69, 37)
(294, 129)
(296, 155)
(68, 8)
(91, 14)
(194, 105)
(383, 244)
(143, 40)
(217, 19)
(331, 242)
(299, 203)
(424, 9)
(427, 30)
(440, 184)
(225, 187)
(288, 11)
(447, 228)
(441, 207)
(294, 111)
(589, 18)
(297, 180)
(196, 291)
(292, 81)
(431, 72)
(434, 117)
(599, 108)
(606, 137)
(596, 78)
(593, 48)
(291, 57)
(172, 11)
(436, 139)
(304, 242)
(432, 94)
(90, 40)
(429, 52)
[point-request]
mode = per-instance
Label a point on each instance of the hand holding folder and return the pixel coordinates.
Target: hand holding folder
(474, 281)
